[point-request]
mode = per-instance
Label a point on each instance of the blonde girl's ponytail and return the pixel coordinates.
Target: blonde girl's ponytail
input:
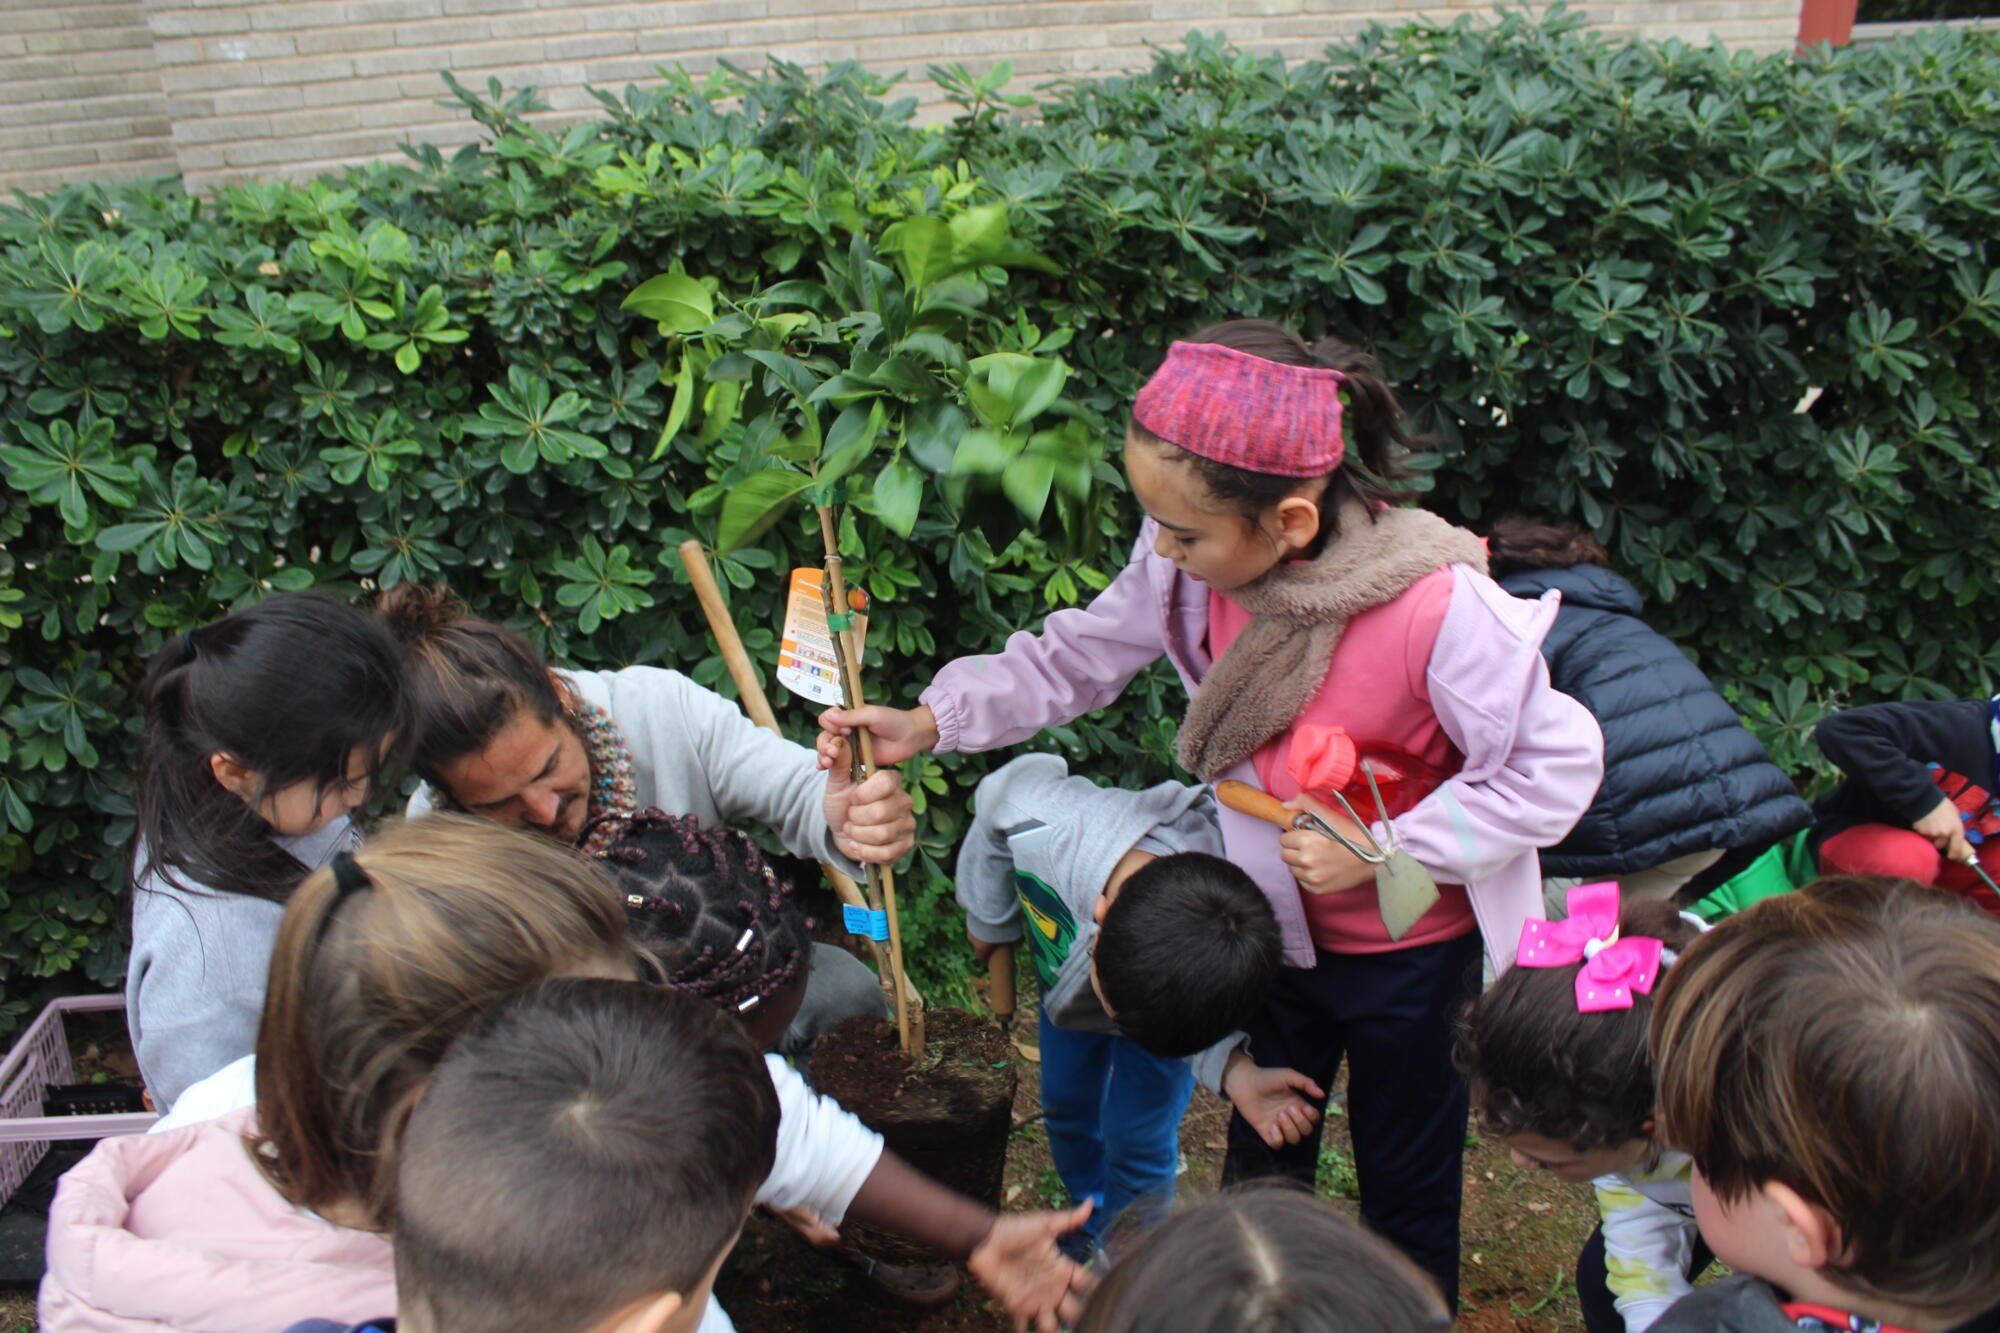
(381, 960)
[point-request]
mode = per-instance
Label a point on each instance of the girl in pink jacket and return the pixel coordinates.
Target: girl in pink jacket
(1304, 614)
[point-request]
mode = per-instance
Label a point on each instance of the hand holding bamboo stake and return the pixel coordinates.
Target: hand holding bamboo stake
(758, 706)
(881, 880)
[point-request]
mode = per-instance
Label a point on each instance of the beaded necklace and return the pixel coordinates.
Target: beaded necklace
(614, 793)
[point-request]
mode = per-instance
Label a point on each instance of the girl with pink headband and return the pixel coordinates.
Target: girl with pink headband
(1314, 624)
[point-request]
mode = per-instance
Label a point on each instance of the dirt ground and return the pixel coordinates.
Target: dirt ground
(1522, 1231)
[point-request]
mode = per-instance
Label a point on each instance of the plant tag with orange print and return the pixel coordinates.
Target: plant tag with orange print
(806, 664)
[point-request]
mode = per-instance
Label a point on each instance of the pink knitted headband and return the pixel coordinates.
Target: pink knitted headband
(1239, 409)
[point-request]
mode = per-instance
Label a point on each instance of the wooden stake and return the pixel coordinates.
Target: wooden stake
(881, 880)
(1000, 984)
(723, 626)
(758, 706)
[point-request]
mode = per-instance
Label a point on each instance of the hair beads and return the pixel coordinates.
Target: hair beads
(709, 908)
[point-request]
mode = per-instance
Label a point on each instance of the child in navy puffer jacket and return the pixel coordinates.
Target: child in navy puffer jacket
(1684, 780)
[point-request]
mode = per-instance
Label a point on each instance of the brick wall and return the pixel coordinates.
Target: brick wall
(290, 87)
(80, 98)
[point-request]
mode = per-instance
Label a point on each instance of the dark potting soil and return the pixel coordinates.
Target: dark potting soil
(949, 1114)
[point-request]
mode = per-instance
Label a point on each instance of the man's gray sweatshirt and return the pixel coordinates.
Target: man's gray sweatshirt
(695, 753)
(1042, 845)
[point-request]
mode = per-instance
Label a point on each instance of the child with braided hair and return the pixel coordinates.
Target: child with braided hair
(714, 919)
(710, 917)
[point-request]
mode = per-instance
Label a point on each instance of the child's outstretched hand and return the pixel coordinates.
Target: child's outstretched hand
(1318, 863)
(1033, 1280)
(875, 821)
(900, 733)
(1270, 1099)
(809, 1224)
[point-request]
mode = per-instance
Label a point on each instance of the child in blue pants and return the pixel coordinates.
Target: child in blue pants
(1151, 951)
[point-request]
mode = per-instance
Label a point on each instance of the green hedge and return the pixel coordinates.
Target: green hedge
(1923, 11)
(1606, 274)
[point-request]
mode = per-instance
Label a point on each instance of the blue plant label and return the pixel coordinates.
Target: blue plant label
(862, 921)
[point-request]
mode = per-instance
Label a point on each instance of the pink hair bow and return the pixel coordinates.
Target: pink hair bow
(1614, 969)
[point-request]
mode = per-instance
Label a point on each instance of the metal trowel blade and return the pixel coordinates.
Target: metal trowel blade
(1405, 890)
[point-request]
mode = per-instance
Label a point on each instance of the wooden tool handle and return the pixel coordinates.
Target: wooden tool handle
(724, 626)
(1246, 799)
(1000, 983)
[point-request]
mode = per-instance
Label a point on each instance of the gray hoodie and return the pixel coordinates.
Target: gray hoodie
(194, 988)
(1045, 842)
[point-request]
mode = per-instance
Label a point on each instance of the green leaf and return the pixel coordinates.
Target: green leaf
(683, 404)
(675, 300)
(1037, 387)
(1366, 289)
(984, 452)
(1026, 482)
(852, 438)
(755, 503)
(979, 234)
(899, 492)
(60, 465)
(794, 374)
(124, 536)
(932, 433)
(924, 245)
(520, 454)
(785, 254)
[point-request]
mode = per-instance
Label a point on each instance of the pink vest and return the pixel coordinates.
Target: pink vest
(1376, 690)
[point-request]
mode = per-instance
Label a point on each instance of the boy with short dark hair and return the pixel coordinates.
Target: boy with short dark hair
(581, 1162)
(1829, 1058)
(1151, 951)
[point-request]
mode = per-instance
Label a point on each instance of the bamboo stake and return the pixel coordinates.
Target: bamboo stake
(758, 705)
(881, 880)
(723, 626)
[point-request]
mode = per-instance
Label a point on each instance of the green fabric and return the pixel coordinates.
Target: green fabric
(1783, 867)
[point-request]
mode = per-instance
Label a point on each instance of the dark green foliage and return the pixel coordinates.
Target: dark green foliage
(1605, 275)
(1924, 11)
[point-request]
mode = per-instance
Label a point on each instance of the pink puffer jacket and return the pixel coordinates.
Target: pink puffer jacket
(179, 1231)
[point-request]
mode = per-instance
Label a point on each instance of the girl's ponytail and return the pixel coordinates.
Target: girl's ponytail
(1373, 423)
(381, 960)
(168, 681)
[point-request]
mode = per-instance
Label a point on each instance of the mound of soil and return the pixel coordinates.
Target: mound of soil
(949, 1114)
